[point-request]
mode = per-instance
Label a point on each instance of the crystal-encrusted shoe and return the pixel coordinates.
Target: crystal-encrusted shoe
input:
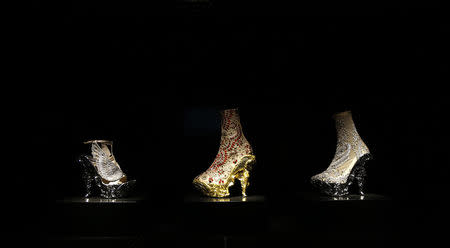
(101, 172)
(234, 160)
(349, 162)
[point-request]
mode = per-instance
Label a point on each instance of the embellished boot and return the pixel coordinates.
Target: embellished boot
(234, 160)
(100, 169)
(349, 160)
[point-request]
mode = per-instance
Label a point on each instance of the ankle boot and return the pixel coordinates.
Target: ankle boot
(349, 160)
(102, 172)
(233, 160)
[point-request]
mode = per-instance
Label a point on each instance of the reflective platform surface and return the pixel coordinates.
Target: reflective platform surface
(307, 196)
(99, 200)
(304, 219)
(234, 199)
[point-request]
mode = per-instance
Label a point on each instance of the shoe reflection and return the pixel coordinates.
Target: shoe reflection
(341, 198)
(220, 199)
(225, 199)
(100, 200)
(348, 198)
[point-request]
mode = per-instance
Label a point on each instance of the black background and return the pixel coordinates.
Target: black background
(152, 78)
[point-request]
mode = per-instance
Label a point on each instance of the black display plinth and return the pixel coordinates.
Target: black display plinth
(320, 220)
(304, 219)
(79, 221)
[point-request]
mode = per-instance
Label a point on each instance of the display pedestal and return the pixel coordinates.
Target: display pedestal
(89, 222)
(305, 219)
(325, 221)
(224, 215)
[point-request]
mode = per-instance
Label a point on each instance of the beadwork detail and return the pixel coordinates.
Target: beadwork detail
(233, 157)
(350, 152)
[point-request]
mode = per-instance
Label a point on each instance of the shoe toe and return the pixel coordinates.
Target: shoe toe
(316, 177)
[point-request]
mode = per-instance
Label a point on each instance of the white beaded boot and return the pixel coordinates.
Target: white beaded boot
(349, 160)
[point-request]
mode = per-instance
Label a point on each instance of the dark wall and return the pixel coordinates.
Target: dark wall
(153, 81)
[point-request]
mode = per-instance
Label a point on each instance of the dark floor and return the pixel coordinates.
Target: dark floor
(256, 221)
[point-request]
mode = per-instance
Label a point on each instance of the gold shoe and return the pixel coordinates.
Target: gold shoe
(349, 160)
(234, 160)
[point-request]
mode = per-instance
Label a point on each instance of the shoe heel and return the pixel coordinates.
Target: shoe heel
(243, 178)
(361, 173)
(243, 175)
(87, 175)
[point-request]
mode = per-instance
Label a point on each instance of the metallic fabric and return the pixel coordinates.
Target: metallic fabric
(233, 160)
(349, 159)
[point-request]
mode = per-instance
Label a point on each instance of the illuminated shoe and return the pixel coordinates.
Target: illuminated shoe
(101, 170)
(349, 162)
(233, 161)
